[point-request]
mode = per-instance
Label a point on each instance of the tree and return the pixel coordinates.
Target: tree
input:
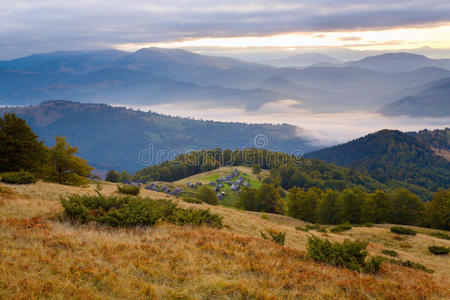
(112, 176)
(248, 199)
(66, 168)
(124, 176)
(377, 208)
(438, 210)
(268, 199)
(302, 205)
(256, 168)
(19, 146)
(328, 208)
(408, 209)
(350, 205)
(207, 195)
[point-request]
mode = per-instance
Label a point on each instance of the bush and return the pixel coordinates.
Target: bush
(389, 252)
(351, 255)
(373, 265)
(402, 230)
(129, 190)
(410, 264)
(441, 235)
(342, 227)
(438, 250)
(277, 237)
(132, 211)
(207, 195)
(192, 200)
(21, 177)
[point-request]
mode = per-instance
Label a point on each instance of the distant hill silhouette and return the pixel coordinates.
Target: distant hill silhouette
(433, 101)
(399, 62)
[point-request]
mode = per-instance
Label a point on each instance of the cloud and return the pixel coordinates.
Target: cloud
(42, 25)
(327, 128)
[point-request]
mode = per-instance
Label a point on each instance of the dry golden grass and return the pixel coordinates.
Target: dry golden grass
(43, 257)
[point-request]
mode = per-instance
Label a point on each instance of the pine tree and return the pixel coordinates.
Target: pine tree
(19, 146)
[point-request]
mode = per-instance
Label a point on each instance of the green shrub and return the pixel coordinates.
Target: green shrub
(21, 177)
(373, 265)
(389, 252)
(128, 190)
(351, 255)
(192, 200)
(441, 235)
(402, 230)
(369, 224)
(342, 227)
(438, 250)
(265, 217)
(277, 237)
(193, 216)
(132, 211)
(322, 230)
(207, 195)
(410, 264)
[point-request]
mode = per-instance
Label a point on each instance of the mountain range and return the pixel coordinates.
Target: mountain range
(153, 76)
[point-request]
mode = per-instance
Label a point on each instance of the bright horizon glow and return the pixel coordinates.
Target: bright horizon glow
(387, 39)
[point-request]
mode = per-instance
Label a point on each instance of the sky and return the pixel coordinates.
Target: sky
(32, 26)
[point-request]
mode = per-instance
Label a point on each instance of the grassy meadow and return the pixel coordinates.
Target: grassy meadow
(44, 256)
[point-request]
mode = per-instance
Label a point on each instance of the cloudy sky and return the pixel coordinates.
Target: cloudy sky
(30, 26)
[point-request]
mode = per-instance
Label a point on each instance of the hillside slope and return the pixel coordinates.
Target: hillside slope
(119, 138)
(390, 155)
(434, 101)
(44, 256)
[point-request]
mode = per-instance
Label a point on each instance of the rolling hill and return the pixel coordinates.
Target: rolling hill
(391, 155)
(432, 101)
(114, 137)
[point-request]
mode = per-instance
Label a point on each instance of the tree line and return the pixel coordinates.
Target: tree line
(352, 205)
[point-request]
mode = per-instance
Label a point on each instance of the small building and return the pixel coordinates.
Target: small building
(212, 183)
(189, 184)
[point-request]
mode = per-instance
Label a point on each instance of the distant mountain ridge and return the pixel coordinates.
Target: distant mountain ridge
(116, 137)
(153, 76)
(432, 101)
(399, 62)
(303, 59)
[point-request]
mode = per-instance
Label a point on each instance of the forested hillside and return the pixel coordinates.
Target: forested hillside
(391, 155)
(116, 137)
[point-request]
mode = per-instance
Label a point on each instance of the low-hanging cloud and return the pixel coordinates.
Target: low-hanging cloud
(326, 128)
(45, 25)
